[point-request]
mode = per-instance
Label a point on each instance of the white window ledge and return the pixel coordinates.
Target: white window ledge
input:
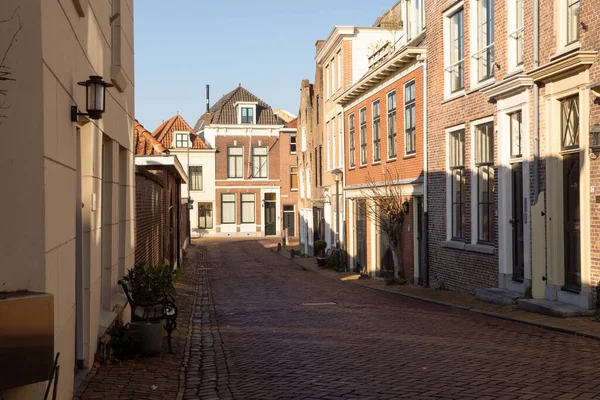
(566, 50)
(480, 248)
(483, 84)
(454, 244)
(454, 96)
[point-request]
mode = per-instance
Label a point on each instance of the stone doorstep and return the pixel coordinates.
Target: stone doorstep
(503, 297)
(554, 308)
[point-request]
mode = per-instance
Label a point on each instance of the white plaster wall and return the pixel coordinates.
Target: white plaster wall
(56, 49)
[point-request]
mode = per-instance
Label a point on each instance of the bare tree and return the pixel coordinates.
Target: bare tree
(5, 71)
(384, 207)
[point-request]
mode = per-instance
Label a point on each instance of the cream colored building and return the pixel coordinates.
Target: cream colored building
(67, 208)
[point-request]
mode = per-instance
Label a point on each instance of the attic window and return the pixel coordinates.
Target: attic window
(181, 140)
(247, 115)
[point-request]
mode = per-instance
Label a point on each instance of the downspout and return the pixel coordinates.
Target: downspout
(425, 177)
(536, 101)
(178, 196)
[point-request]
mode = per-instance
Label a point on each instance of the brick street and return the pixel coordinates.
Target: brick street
(280, 339)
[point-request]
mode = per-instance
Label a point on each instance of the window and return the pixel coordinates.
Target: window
(516, 29)
(195, 177)
(351, 144)
(415, 17)
(485, 39)
(235, 162)
(376, 132)
(410, 119)
(301, 176)
(247, 115)
(320, 167)
(259, 162)
(294, 178)
(572, 21)
(516, 139)
(228, 208)
(205, 215)
(248, 208)
(181, 140)
(333, 76)
(570, 122)
(456, 70)
(391, 124)
(363, 136)
(308, 183)
(484, 164)
(292, 144)
(339, 69)
(457, 183)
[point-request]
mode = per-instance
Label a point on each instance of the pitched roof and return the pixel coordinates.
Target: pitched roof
(224, 112)
(164, 133)
(292, 124)
(145, 144)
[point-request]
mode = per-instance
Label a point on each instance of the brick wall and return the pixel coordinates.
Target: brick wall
(150, 224)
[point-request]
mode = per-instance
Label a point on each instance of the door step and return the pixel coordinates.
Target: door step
(554, 308)
(497, 296)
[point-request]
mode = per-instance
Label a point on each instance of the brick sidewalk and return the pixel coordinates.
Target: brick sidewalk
(583, 326)
(160, 377)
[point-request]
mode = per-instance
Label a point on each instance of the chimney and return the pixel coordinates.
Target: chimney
(207, 97)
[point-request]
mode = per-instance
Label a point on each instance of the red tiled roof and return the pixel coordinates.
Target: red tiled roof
(292, 124)
(224, 112)
(164, 133)
(144, 143)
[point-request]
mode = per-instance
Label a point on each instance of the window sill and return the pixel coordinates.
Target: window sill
(454, 244)
(363, 166)
(235, 179)
(351, 168)
(566, 50)
(376, 162)
(480, 248)
(515, 71)
(454, 96)
(409, 156)
(392, 159)
(483, 84)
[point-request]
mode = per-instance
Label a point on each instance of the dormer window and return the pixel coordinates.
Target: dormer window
(246, 112)
(247, 115)
(182, 140)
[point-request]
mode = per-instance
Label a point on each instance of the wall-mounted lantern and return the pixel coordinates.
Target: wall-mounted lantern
(406, 207)
(95, 98)
(595, 139)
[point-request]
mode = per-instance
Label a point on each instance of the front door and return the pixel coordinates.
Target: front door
(517, 223)
(421, 246)
(361, 235)
(572, 222)
(270, 218)
(289, 220)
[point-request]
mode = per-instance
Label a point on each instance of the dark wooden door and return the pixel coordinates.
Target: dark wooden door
(420, 240)
(517, 223)
(361, 236)
(270, 218)
(289, 220)
(572, 222)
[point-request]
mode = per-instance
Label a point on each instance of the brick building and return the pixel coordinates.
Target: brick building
(384, 147)
(248, 177)
(288, 168)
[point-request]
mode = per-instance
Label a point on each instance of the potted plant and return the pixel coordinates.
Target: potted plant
(149, 287)
(320, 246)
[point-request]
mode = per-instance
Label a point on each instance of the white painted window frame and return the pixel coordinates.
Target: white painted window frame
(447, 15)
(474, 178)
(448, 131)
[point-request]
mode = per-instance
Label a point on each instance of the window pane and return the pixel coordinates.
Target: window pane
(195, 177)
(292, 143)
(572, 21)
(294, 178)
(515, 135)
(570, 122)
(248, 208)
(228, 208)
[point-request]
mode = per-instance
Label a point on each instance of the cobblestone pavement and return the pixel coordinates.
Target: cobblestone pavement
(287, 333)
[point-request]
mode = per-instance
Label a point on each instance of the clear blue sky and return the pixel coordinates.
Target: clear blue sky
(267, 46)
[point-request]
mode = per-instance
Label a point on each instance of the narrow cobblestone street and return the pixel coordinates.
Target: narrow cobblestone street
(264, 328)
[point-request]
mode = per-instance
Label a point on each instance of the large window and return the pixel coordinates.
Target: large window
(195, 177)
(572, 21)
(205, 215)
(376, 132)
(484, 163)
(516, 38)
(415, 20)
(247, 115)
(570, 122)
(485, 39)
(248, 208)
(363, 136)
(516, 135)
(181, 140)
(351, 143)
(456, 69)
(259, 162)
(228, 208)
(410, 119)
(457, 183)
(235, 162)
(391, 125)
(294, 178)
(293, 144)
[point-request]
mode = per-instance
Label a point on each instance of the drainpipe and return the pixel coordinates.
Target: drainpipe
(536, 101)
(425, 176)
(178, 203)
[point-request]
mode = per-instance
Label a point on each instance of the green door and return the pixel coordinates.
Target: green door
(270, 218)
